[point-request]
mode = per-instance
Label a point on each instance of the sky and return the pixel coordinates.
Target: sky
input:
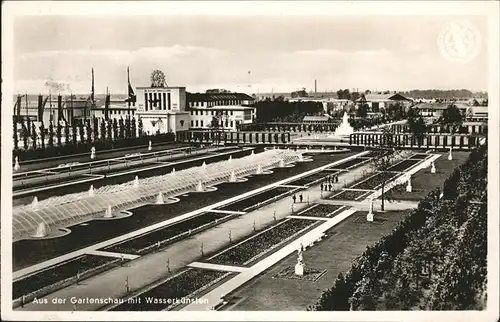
(252, 54)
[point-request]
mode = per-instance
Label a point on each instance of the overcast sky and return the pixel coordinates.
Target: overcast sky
(283, 53)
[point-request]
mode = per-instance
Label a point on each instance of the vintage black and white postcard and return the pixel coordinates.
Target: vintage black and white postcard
(258, 161)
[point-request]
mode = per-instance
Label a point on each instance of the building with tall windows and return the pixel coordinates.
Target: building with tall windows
(220, 110)
(162, 109)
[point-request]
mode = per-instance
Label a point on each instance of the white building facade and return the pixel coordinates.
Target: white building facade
(224, 111)
(162, 109)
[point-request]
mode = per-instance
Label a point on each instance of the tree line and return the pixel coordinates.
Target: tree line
(435, 259)
(284, 111)
(78, 137)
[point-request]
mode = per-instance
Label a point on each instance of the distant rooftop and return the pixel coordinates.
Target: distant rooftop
(208, 97)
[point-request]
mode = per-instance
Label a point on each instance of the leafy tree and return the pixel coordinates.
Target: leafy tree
(59, 134)
(42, 135)
(103, 129)
(140, 127)
(33, 137)
(133, 128)
(88, 131)
(109, 129)
(74, 133)
(362, 110)
(122, 128)
(66, 133)
(81, 130)
(452, 117)
(95, 128)
(416, 124)
(128, 130)
(25, 135)
(51, 135)
(115, 129)
(15, 135)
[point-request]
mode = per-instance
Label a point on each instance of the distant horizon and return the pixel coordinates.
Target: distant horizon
(284, 53)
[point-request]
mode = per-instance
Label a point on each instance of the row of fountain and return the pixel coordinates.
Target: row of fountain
(43, 230)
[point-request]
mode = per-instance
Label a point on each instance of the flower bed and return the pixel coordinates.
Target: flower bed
(261, 243)
(141, 244)
(319, 176)
(374, 181)
(349, 195)
(58, 274)
(246, 203)
(404, 165)
(176, 288)
(373, 154)
(322, 210)
(348, 164)
(419, 156)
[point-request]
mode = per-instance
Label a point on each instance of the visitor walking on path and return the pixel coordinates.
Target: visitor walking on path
(322, 186)
(294, 198)
(337, 178)
(301, 198)
(330, 187)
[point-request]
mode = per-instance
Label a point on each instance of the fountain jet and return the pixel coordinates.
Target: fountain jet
(136, 182)
(41, 230)
(108, 213)
(199, 187)
(159, 199)
(34, 204)
(259, 169)
(91, 191)
(232, 178)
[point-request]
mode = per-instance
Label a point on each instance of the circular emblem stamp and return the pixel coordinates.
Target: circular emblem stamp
(459, 41)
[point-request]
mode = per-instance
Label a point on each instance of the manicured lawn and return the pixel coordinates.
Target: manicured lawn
(424, 181)
(420, 156)
(334, 253)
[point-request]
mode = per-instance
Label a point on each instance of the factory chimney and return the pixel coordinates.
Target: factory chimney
(315, 86)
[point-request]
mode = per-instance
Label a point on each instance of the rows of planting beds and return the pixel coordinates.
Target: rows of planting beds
(144, 243)
(348, 164)
(30, 175)
(312, 178)
(51, 180)
(321, 210)
(374, 181)
(29, 252)
(243, 204)
(419, 156)
(59, 274)
(373, 154)
(349, 195)
(261, 243)
(176, 288)
(88, 166)
(404, 165)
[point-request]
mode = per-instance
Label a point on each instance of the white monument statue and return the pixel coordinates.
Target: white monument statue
(450, 157)
(16, 164)
(149, 147)
(92, 153)
(433, 168)
(408, 186)
(299, 267)
(369, 216)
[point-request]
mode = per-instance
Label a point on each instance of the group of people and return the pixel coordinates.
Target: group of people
(329, 181)
(301, 198)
